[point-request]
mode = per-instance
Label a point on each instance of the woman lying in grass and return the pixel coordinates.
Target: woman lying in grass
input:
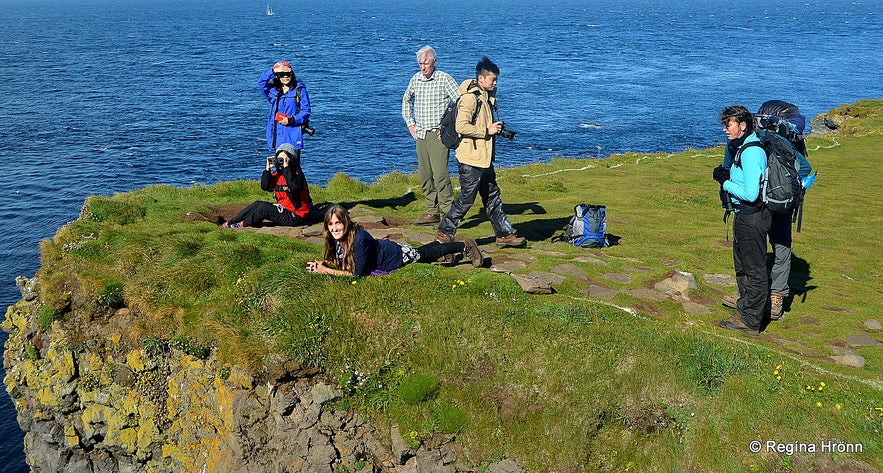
(351, 251)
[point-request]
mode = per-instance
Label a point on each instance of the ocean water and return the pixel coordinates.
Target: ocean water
(99, 97)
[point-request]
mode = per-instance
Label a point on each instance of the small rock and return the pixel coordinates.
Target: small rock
(505, 466)
(27, 287)
(852, 361)
(569, 270)
(617, 277)
(602, 292)
(322, 393)
(872, 324)
(508, 266)
(400, 450)
(862, 341)
(589, 259)
(726, 280)
(694, 308)
(535, 282)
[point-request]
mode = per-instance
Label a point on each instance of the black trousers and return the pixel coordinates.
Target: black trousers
(434, 251)
(475, 181)
(258, 211)
(749, 258)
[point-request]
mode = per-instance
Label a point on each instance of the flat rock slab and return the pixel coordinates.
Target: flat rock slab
(872, 324)
(569, 270)
(862, 341)
(521, 256)
(647, 294)
(602, 292)
(720, 279)
(537, 282)
(852, 361)
(589, 260)
(617, 277)
(508, 266)
(694, 308)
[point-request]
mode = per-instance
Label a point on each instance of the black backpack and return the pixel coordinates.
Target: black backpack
(781, 189)
(447, 128)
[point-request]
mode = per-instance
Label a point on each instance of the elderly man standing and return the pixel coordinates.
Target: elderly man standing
(428, 94)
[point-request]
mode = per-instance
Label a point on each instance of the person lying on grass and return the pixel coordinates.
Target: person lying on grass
(351, 251)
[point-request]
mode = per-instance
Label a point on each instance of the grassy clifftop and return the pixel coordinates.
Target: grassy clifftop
(561, 382)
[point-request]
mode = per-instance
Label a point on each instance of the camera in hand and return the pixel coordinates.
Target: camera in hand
(508, 134)
(307, 129)
(726, 202)
(276, 161)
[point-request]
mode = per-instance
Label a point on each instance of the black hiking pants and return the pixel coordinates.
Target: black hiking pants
(750, 228)
(258, 211)
(434, 251)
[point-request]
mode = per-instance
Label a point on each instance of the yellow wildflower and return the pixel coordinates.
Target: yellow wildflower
(354, 282)
(838, 406)
(818, 404)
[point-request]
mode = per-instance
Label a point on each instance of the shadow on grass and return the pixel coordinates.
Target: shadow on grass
(798, 280)
(394, 202)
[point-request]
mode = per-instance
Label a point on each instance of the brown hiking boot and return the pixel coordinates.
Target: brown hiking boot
(471, 252)
(777, 306)
(735, 323)
(442, 238)
(730, 301)
(427, 219)
(512, 241)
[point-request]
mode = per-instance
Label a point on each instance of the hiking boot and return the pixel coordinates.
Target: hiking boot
(471, 252)
(511, 241)
(735, 323)
(442, 238)
(777, 306)
(730, 301)
(427, 219)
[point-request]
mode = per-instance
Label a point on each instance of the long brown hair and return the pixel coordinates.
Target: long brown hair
(349, 235)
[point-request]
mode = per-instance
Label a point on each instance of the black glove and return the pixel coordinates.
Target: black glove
(720, 174)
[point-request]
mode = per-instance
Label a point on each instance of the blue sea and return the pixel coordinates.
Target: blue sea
(99, 97)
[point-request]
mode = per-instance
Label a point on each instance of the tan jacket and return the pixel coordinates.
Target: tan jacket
(476, 148)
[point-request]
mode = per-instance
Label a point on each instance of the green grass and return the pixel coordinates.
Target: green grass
(559, 382)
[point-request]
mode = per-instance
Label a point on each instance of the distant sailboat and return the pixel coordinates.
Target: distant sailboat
(270, 11)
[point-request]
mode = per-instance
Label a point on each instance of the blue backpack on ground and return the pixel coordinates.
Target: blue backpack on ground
(587, 228)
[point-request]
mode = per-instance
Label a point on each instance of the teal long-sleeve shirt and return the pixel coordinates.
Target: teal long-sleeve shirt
(745, 180)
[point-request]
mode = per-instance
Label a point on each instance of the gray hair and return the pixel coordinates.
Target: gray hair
(428, 51)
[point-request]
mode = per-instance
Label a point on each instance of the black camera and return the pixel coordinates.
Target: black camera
(276, 161)
(508, 134)
(307, 129)
(726, 202)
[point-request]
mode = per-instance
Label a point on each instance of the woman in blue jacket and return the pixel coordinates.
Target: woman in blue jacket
(742, 182)
(289, 106)
(351, 251)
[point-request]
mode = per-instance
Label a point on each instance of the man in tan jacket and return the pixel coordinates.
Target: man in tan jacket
(477, 124)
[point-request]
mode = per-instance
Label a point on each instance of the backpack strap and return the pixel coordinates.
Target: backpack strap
(737, 160)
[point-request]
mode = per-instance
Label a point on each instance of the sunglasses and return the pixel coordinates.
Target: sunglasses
(284, 74)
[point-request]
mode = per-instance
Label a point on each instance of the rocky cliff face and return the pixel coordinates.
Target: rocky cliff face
(87, 404)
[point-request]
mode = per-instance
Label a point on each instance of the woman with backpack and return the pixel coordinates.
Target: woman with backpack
(351, 251)
(742, 183)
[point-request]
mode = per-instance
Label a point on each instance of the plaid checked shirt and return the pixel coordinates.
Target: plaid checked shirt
(425, 100)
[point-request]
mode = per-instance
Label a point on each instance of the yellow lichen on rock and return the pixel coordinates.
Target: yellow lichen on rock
(138, 361)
